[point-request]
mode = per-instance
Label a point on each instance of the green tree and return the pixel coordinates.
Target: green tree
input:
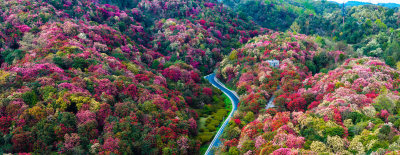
(390, 61)
(45, 135)
(311, 66)
(247, 145)
(30, 98)
(249, 117)
(382, 26)
(155, 64)
(234, 151)
(392, 53)
(10, 56)
(320, 61)
(382, 102)
(339, 131)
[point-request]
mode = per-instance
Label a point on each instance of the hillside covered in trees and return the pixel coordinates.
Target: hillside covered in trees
(126, 77)
(371, 30)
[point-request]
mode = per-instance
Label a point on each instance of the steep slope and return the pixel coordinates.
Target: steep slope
(369, 29)
(79, 76)
(354, 109)
(247, 71)
(279, 14)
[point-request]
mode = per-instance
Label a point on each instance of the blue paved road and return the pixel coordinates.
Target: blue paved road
(234, 99)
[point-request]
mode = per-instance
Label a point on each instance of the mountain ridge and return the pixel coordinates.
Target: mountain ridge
(357, 3)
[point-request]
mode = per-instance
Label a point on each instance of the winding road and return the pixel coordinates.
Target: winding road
(234, 100)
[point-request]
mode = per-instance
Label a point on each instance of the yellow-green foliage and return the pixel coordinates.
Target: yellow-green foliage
(215, 119)
(356, 145)
(132, 67)
(205, 136)
(233, 55)
(62, 53)
(318, 146)
(48, 92)
(80, 100)
(249, 117)
(200, 36)
(62, 102)
(37, 112)
(65, 98)
(398, 65)
(148, 106)
(3, 76)
(315, 123)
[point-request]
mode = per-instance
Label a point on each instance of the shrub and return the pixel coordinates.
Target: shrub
(5, 122)
(205, 137)
(377, 145)
(211, 127)
(30, 98)
(307, 144)
(119, 56)
(311, 134)
(80, 62)
(234, 151)
(22, 142)
(67, 119)
(397, 123)
(148, 107)
(5, 143)
(356, 117)
(385, 130)
(268, 149)
(339, 131)
(357, 129)
(220, 114)
(45, 135)
(249, 117)
(324, 70)
(47, 91)
(231, 132)
(10, 56)
(61, 62)
(248, 145)
(382, 102)
(311, 66)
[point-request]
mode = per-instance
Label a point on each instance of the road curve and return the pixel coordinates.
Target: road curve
(234, 100)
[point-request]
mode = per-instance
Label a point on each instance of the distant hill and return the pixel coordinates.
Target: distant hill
(357, 3)
(389, 5)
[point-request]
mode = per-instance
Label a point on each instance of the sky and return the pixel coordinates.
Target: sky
(372, 1)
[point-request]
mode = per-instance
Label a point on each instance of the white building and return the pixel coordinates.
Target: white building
(273, 63)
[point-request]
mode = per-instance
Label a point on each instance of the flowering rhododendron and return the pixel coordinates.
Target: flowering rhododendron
(259, 142)
(237, 121)
(322, 107)
(384, 114)
(24, 28)
(85, 117)
(111, 145)
(5, 122)
(183, 144)
(131, 90)
(71, 141)
(291, 141)
(127, 77)
(282, 151)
